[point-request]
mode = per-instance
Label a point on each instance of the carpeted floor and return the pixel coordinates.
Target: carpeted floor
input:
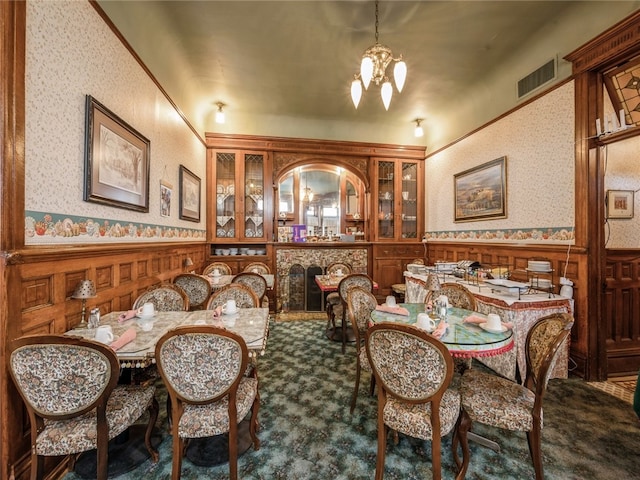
(307, 431)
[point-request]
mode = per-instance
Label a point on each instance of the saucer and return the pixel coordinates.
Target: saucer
(230, 314)
(108, 342)
(142, 316)
(483, 326)
(215, 276)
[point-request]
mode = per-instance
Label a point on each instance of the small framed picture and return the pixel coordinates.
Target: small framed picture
(620, 203)
(189, 195)
(165, 198)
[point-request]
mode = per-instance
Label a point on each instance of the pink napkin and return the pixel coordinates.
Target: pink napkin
(128, 336)
(478, 319)
(217, 312)
(397, 310)
(128, 315)
(429, 306)
(440, 329)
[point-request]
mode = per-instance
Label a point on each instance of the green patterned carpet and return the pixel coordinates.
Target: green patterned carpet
(308, 433)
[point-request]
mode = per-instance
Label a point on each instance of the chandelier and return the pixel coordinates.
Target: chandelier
(375, 61)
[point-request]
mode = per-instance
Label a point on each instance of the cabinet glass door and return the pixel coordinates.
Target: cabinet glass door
(386, 199)
(409, 200)
(253, 196)
(225, 195)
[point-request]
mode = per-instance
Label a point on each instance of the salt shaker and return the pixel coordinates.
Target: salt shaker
(94, 318)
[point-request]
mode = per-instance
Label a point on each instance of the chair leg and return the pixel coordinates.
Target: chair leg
(436, 456)
(253, 426)
(344, 328)
(178, 447)
(534, 438)
(460, 434)
(154, 408)
(233, 449)
(37, 464)
(372, 385)
(354, 397)
(382, 447)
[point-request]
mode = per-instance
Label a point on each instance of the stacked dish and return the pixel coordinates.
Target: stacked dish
(538, 266)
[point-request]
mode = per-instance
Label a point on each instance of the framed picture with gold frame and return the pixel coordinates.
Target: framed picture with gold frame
(480, 193)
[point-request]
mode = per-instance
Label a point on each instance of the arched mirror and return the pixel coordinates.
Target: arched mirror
(327, 199)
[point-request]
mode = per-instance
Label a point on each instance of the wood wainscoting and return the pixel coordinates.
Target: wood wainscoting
(40, 283)
(573, 261)
(621, 317)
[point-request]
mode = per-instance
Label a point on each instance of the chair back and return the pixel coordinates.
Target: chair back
(196, 287)
(360, 304)
(61, 377)
(242, 294)
(339, 266)
(458, 295)
(257, 267)
(165, 298)
(221, 266)
(254, 281)
(191, 349)
(353, 280)
(542, 348)
(408, 363)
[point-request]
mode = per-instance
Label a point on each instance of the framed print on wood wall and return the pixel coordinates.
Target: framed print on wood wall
(480, 193)
(116, 169)
(620, 203)
(189, 195)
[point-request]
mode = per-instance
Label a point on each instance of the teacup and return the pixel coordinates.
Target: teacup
(494, 322)
(104, 334)
(216, 272)
(391, 301)
(230, 307)
(425, 322)
(339, 272)
(147, 310)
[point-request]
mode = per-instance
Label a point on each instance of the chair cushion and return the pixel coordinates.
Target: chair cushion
(126, 404)
(496, 401)
(213, 418)
(399, 287)
(414, 419)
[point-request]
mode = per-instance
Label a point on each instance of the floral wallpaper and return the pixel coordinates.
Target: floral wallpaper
(72, 53)
(538, 142)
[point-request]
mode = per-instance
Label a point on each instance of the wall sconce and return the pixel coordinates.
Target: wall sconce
(220, 118)
(418, 132)
(85, 289)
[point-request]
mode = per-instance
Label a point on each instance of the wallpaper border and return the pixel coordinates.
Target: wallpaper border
(44, 228)
(506, 235)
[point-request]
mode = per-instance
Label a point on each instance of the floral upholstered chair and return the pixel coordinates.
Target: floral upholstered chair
(360, 304)
(458, 295)
(501, 403)
(222, 267)
(413, 371)
(255, 282)
(209, 398)
(196, 287)
(340, 310)
(69, 387)
(258, 267)
(333, 298)
(165, 298)
(242, 294)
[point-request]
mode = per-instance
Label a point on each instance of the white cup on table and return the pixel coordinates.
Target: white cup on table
(391, 301)
(104, 334)
(147, 310)
(425, 322)
(230, 307)
(494, 322)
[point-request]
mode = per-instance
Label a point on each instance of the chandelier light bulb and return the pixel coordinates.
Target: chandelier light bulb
(386, 92)
(400, 74)
(220, 118)
(356, 92)
(366, 71)
(418, 132)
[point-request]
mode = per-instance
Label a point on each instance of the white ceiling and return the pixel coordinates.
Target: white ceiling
(284, 68)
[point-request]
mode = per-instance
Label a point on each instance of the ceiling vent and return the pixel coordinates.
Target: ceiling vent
(537, 78)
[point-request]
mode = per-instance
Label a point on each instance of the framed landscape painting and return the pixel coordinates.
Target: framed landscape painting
(480, 193)
(117, 160)
(189, 195)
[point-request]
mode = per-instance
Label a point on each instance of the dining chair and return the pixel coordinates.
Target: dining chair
(242, 294)
(339, 311)
(209, 398)
(222, 267)
(496, 401)
(165, 298)
(255, 282)
(333, 298)
(458, 295)
(257, 267)
(413, 371)
(70, 391)
(196, 287)
(360, 304)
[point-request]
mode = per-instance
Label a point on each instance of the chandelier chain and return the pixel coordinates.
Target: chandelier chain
(376, 21)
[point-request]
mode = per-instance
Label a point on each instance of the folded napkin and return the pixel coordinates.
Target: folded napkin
(128, 336)
(397, 310)
(217, 312)
(429, 306)
(479, 319)
(440, 329)
(128, 315)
